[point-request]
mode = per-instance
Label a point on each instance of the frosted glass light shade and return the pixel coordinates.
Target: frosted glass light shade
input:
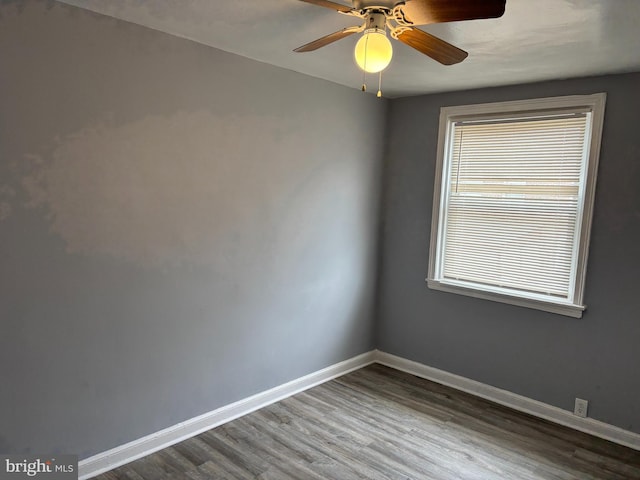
(373, 52)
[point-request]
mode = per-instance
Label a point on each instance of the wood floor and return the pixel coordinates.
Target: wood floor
(379, 423)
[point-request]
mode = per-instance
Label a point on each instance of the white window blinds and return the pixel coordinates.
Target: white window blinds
(513, 200)
(513, 205)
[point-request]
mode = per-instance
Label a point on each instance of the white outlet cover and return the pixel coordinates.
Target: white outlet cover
(581, 407)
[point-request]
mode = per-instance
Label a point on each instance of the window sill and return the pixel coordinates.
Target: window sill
(566, 309)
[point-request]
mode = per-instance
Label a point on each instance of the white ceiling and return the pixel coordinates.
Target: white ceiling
(534, 40)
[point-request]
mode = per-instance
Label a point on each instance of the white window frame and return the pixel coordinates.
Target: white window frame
(572, 307)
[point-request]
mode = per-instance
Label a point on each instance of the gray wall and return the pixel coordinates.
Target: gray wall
(180, 228)
(543, 356)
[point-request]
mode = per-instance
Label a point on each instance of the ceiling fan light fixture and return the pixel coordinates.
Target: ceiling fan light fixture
(373, 51)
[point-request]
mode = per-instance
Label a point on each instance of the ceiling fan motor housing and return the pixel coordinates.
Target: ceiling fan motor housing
(373, 4)
(376, 22)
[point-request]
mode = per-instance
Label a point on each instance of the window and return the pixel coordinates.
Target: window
(513, 201)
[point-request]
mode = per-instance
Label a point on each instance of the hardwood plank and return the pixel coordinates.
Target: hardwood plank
(171, 457)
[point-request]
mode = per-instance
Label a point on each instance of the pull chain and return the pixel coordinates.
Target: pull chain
(379, 95)
(364, 70)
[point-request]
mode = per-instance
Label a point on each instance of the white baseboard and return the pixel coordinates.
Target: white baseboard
(512, 400)
(123, 454)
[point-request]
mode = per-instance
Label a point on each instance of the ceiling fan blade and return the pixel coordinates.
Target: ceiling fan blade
(332, 5)
(327, 39)
(424, 12)
(433, 47)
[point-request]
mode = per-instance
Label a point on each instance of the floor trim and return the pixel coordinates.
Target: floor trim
(512, 400)
(105, 461)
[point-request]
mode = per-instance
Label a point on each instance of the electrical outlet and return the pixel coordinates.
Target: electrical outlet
(581, 407)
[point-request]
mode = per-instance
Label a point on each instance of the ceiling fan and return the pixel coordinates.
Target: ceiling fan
(374, 51)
